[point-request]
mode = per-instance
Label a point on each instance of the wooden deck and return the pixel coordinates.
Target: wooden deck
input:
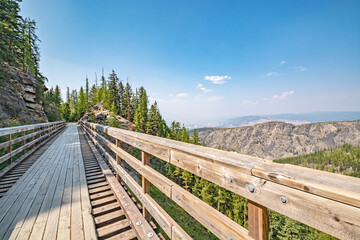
(51, 200)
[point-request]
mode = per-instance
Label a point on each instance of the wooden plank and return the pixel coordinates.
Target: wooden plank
(88, 222)
(258, 221)
(110, 228)
(14, 217)
(143, 229)
(12, 130)
(76, 211)
(334, 186)
(42, 217)
(216, 222)
(118, 159)
(145, 183)
(52, 223)
(300, 206)
(9, 148)
(64, 227)
(23, 231)
(149, 173)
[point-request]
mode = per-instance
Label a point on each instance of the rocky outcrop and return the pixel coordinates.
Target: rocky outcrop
(99, 114)
(275, 140)
(18, 100)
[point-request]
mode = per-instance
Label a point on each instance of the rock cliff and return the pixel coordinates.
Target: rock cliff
(275, 140)
(99, 114)
(18, 101)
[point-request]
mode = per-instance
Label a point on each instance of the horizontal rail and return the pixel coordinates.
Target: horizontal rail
(326, 201)
(17, 129)
(46, 130)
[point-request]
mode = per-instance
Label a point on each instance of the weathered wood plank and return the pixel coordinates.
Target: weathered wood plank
(142, 228)
(258, 221)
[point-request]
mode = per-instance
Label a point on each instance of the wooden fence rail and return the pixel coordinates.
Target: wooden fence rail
(326, 201)
(30, 136)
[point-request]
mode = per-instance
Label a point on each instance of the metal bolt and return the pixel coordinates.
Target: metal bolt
(251, 187)
(231, 179)
(284, 199)
(118, 190)
(178, 159)
(230, 238)
(97, 219)
(178, 198)
(150, 234)
(101, 208)
(138, 223)
(127, 204)
(124, 196)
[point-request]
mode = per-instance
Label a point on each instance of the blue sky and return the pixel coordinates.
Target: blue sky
(208, 60)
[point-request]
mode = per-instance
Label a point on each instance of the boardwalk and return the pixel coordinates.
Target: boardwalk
(51, 199)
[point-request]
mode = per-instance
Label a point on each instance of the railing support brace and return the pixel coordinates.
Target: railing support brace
(145, 183)
(258, 221)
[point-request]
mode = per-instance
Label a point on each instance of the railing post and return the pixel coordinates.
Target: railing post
(23, 141)
(258, 220)
(106, 147)
(145, 183)
(118, 160)
(9, 148)
(32, 138)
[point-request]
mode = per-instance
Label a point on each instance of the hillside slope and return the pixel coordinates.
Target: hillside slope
(275, 140)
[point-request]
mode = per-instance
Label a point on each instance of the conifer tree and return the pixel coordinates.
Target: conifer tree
(82, 102)
(153, 124)
(121, 92)
(57, 96)
(195, 138)
(113, 92)
(87, 95)
(141, 112)
(126, 110)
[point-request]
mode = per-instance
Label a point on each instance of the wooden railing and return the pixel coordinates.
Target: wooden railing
(31, 137)
(325, 201)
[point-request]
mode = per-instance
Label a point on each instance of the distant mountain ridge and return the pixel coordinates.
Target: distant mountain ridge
(293, 118)
(275, 140)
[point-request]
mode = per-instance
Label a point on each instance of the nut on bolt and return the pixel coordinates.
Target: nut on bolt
(284, 199)
(251, 187)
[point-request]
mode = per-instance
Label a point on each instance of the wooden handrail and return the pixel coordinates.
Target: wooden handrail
(47, 129)
(326, 201)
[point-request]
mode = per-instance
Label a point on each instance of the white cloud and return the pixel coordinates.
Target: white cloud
(283, 96)
(271, 74)
(202, 88)
(182, 95)
(249, 103)
(217, 79)
(283, 62)
(300, 68)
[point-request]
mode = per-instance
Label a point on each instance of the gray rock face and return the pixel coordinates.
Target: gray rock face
(275, 140)
(102, 116)
(18, 100)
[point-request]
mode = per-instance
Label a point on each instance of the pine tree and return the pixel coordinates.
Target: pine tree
(57, 96)
(126, 110)
(153, 125)
(195, 138)
(87, 95)
(113, 91)
(93, 95)
(121, 92)
(141, 112)
(82, 102)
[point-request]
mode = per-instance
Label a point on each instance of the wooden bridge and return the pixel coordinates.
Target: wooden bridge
(67, 182)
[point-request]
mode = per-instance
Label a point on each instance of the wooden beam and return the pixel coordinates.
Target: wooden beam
(106, 147)
(23, 141)
(145, 183)
(118, 159)
(258, 220)
(9, 149)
